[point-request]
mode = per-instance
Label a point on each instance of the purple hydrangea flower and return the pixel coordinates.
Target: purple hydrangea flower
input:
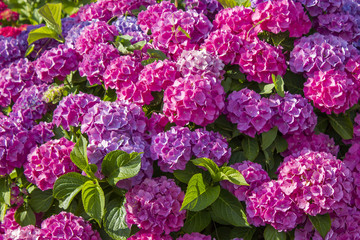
(157, 123)
(317, 7)
(194, 236)
(249, 111)
(268, 204)
(72, 108)
(208, 7)
(316, 181)
(48, 162)
(194, 99)
(161, 194)
(126, 24)
(74, 33)
(293, 114)
(67, 226)
(9, 51)
(144, 235)
(254, 175)
(95, 63)
(42, 132)
(352, 161)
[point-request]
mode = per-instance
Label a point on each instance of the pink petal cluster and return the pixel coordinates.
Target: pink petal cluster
(259, 60)
(268, 204)
(101, 10)
(352, 161)
(353, 68)
(154, 206)
(282, 15)
(332, 91)
(249, 111)
(66, 225)
(48, 162)
(144, 235)
(316, 181)
(194, 236)
(29, 232)
(157, 123)
(254, 175)
(194, 99)
(96, 62)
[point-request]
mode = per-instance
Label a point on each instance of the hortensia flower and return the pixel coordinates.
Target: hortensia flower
(9, 51)
(352, 161)
(145, 235)
(29, 232)
(208, 7)
(161, 194)
(194, 236)
(48, 162)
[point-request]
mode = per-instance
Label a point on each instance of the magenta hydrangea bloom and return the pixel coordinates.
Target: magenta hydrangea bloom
(208, 7)
(353, 67)
(96, 62)
(223, 44)
(30, 106)
(154, 206)
(155, 77)
(238, 21)
(9, 224)
(293, 114)
(200, 63)
(42, 132)
(314, 142)
(259, 60)
(316, 181)
(213, 145)
(72, 108)
(144, 235)
(147, 19)
(249, 111)
(102, 11)
(194, 99)
(319, 52)
(157, 123)
(105, 119)
(194, 236)
(282, 15)
(29, 232)
(74, 32)
(254, 175)
(95, 33)
(172, 148)
(48, 162)
(66, 225)
(356, 135)
(352, 161)
(56, 63)
(122, 75)
(268, 204)
(332, 91)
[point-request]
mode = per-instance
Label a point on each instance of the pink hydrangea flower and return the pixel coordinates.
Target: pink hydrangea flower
(352, 161)
(194, 236)
(144, 235)
(154, 206)
(29, 232)
(48, 162)
(157, 123)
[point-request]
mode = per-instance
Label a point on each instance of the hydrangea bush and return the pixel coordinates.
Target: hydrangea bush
(187, 119)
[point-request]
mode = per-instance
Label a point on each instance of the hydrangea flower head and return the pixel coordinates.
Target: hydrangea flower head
(126, 24)
(29, 232)
(74, 32)
(208, 7)
(352, 161)
(157, 193)
(9, 51)
(194, 236)
(144, 235)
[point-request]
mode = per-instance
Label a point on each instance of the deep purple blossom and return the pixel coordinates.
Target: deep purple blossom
(208, 7)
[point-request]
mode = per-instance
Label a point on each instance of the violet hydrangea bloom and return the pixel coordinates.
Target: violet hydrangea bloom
(282, 15)
(194, 99)
(249, 111)
(74, 33)
(208, 7)
(293, 114)
(316, 181)
(95, 63)
(259, 60)
(72, 108)
(126, 24)
(95, 33)
(48, 162)
(56, 63)
(254, 175)
(172, 148)
(157, 123)
(317, 7)
(144, 235)
(352, 161)
(9, 51)
(332, 91)
(157, 193)
(194, 236)
(66, 225)
(223, 44)
(268, 204)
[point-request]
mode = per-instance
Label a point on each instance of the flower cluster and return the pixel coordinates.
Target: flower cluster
(194, 236)
(10, 51)
(208, 7)
(144, 235)
(352, 161)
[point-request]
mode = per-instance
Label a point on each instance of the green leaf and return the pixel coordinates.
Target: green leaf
(342, 125)
(25, 216)
(184, 32)
(67, 187)
(79, 153)
(271, 233)
(3, 209)
(245, 3)
(40, 33)
(157, 54)
(41, 201)
(186, 174)
(137, 46)
(114, 221)
(228, 208)
(232, 175)
(277, 39)
(119, 165)
(281, 144)
(294, 82)
(5, 191)
(228, 3)
(51, 12)
(93, 199)
(322, 223)
(210, 165)
(196, 222)
(199, 195)
(250, 147)
(268, 138)
(267, 88)
(245, 233)
(148, 61)
(279, 85)
(29, 50)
